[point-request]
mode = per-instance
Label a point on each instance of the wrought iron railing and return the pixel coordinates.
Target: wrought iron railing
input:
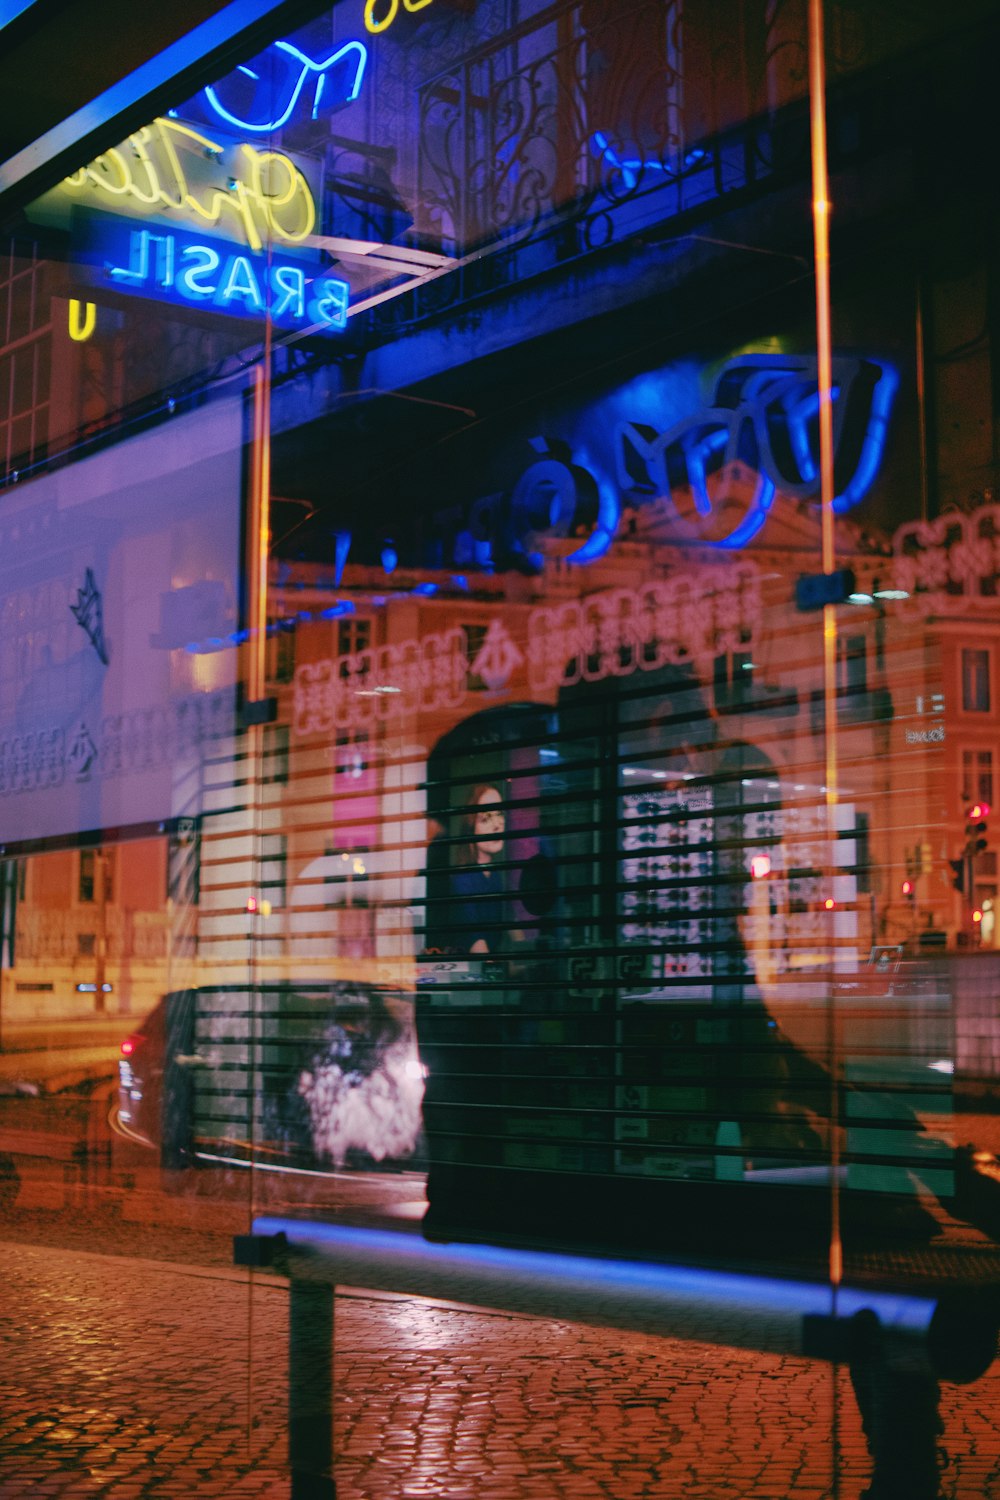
(579, 127)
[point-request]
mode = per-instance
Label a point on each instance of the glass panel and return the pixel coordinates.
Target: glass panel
(498, 711)
(126, 438)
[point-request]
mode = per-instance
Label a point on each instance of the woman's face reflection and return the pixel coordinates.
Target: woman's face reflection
(488, 825)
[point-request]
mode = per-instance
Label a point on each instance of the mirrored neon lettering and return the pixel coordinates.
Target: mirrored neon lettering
(205, 262)
(380, 14)
(262, 195)
(80, 330)
(353, 55)
(179, 269)
(715, 472)
(137, 269)
(163, 247)
(151, 258)
(289, 283)
(240, 281)
(329, 303)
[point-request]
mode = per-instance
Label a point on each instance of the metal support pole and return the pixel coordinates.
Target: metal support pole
(310, 1390)
(898, 1401)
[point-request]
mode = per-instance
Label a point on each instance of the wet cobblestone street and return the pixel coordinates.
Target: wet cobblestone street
(128, 1378)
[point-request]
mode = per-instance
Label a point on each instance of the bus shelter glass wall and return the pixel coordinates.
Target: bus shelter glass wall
(131, 433)
(462, 743)
(547, 554)
(500, 328)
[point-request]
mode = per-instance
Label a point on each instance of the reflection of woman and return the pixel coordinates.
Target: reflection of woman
(477, 885)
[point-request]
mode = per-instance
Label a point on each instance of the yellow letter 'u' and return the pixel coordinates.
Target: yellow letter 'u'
(80, 332)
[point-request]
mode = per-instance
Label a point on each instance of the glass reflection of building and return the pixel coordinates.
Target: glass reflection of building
(496, 323)
(684, 460)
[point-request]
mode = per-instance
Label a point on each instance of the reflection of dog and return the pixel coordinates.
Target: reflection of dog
(363, 1092)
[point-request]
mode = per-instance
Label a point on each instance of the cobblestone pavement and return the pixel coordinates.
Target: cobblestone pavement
(130, 1378)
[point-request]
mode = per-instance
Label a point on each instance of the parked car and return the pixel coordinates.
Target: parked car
(318, 1074)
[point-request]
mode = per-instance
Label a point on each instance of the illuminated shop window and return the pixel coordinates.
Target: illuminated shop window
(977, 776)
(853, 664)
(92, 863)
(281, 656)
(975, 680)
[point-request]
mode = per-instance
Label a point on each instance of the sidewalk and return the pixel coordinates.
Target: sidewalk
(134, 1378)
(46, 1058)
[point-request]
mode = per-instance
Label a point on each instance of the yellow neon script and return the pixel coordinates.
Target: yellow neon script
(380, 14)
(168, 168)
(80, 329)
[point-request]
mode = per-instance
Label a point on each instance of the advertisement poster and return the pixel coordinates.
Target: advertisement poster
(118, 629)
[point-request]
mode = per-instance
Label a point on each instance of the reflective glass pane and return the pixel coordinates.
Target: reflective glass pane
(498, 685)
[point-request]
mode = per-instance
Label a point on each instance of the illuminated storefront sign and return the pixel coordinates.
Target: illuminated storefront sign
(188, 218)
(380, 14)
(169, 171)
(263, 96)
(178, 268)
(714, 469)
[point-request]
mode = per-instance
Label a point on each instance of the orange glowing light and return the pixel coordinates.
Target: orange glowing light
(977, 915)
(829, 903)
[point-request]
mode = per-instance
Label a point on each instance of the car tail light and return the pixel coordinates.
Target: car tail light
(131, 1044)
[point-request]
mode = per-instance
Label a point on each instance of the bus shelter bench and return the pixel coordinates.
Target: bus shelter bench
(898, 1347)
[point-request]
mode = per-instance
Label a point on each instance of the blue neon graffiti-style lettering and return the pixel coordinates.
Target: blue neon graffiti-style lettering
(717, 471)
(720, 468)
(560, 496)
(262, 96)
(633, 169)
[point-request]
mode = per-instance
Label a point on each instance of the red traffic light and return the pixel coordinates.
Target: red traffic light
(907, 887)
(978, 810)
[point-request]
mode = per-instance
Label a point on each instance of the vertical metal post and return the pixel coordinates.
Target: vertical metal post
(310, 1390)
(824, 362)
(101, 938)
(899, 1405)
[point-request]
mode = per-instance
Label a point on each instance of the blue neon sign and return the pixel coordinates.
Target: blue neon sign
(189, 271)
(632, 169)
(761, 424)
(263, 96)
(715, 467)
